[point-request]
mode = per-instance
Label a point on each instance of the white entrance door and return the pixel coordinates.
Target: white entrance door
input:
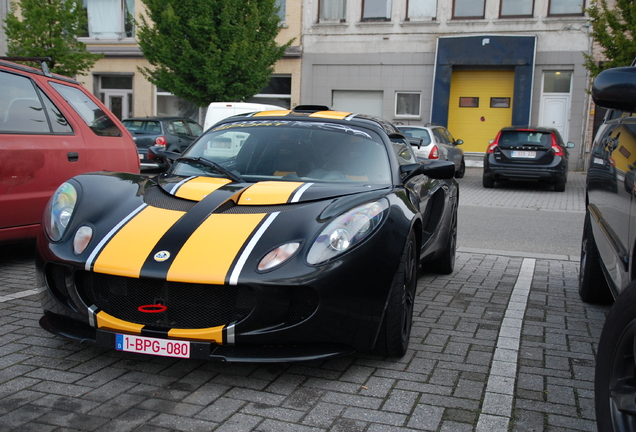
(555, 113)
(117, 102)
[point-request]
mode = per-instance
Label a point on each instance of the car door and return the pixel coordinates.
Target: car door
(611, 195)
(181, 134)
(418, 187)
(39, 150)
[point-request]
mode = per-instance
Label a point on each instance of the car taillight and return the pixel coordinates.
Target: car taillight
(491, 148)
(558, 151)
(434, 154)
(160, 141)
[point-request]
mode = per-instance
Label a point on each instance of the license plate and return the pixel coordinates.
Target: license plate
(141, 156)
(523, 154)
(152, 346)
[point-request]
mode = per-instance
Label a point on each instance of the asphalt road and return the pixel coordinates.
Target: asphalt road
(521, 216)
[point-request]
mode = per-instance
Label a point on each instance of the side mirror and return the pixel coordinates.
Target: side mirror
(416, 142)
(159, 154)
(570, 144)
(616, 89)
(459, 142)
(437, 169)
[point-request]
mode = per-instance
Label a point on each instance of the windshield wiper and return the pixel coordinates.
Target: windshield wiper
(207, 162)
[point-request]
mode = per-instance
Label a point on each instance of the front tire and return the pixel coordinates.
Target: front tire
(395, 332)
(615, 380)
(462, 170)
(593, 287)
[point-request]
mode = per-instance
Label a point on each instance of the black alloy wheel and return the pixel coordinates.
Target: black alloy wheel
(615, 380)
(395, 332)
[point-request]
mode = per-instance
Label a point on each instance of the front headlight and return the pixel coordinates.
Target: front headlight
(59, 211)
(346, 231)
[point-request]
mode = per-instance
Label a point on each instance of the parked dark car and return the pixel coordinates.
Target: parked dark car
(527, 153)
(51, 129)
(174, 133)
(436, 143)
(277, 236)
(608, 258)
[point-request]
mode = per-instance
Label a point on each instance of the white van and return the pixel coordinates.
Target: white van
(217, 111)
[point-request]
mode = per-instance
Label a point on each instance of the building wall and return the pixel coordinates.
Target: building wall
(400, 55)
(125, 57)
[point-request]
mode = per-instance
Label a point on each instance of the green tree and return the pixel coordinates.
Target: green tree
(614, 30)
(210, 50)
(50, 28)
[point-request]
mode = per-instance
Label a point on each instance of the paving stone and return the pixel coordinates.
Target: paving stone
(483, 356)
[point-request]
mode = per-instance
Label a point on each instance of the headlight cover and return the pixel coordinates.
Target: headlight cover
(59, 211)
(346, 231)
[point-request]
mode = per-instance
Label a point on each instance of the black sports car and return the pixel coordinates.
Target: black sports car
(276, 236)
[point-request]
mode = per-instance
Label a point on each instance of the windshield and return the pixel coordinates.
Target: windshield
(258, 150)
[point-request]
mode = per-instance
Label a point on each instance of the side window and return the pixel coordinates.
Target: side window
(403, 151)
(439, 136)
(195, 128)
(89, 111)
(20, 107)
(59, 124)
(180, 127)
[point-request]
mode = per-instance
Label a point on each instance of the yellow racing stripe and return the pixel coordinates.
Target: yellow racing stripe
(335, 115)
(200, 187)
(212, 334)
(209, 252)
(269, 193)
(109, 322)
(272, 113)
(126, 252)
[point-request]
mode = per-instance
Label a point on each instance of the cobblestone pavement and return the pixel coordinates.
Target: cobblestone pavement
(504, 343)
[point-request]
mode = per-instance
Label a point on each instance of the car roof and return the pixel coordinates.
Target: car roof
(28, 69)
(316, 112)
(157, 118)
(528, 128)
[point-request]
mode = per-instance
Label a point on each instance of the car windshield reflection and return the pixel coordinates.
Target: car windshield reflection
(291, 151)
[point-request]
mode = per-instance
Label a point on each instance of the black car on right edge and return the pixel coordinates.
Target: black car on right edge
(608, 248)
(527, 153)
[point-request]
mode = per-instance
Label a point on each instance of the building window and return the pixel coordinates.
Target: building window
(566, 7)
(332, 10)
(421, 10)
(277, 92)
(407, 105)
(281, 10)
(109, 19)
(499, 102)
(376, 10)
(517, 8)
(556, 82)
(469, 102)
(468, 8)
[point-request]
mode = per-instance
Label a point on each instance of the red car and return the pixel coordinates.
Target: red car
(51, 129)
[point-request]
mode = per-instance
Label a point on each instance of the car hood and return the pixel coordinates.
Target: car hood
(200, 229)
(261, 193)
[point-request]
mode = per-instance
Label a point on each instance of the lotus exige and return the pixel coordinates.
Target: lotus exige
(276, 236)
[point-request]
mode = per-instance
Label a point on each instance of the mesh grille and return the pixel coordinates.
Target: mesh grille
(188, 305)
(156, 197)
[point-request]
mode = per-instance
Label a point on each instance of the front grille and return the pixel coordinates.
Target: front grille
(188, 305)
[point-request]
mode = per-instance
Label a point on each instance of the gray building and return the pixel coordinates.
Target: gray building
(471, 65)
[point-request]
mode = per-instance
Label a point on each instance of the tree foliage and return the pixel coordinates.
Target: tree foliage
(50, 28)
(210, 50)
(614, 30)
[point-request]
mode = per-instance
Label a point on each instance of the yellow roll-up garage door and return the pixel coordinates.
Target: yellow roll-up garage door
(480, 105)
